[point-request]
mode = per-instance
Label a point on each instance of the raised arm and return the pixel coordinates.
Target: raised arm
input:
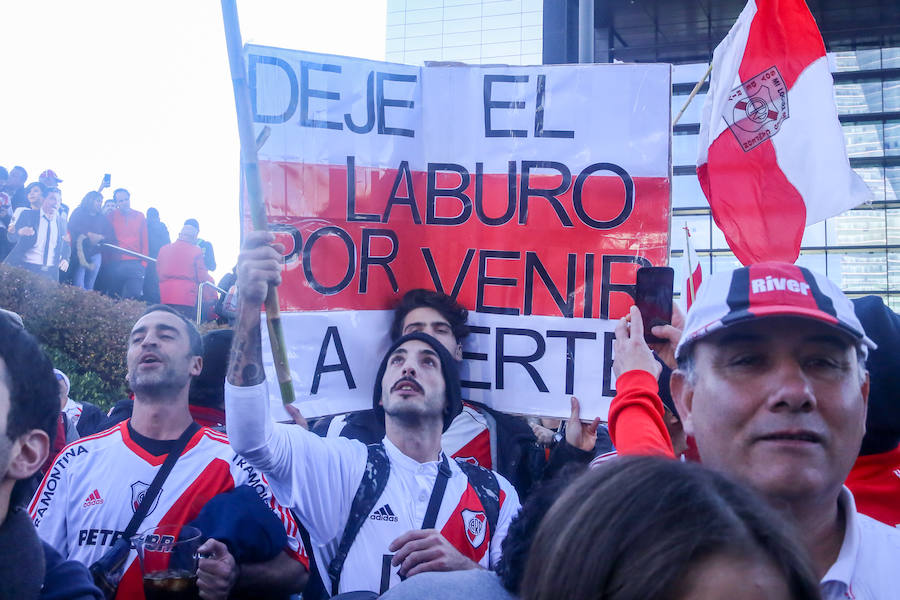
(259, 265)
(315, 477)
(636, 416)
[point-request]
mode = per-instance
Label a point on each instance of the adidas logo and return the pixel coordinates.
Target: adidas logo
(384, 514)
(897, 472)
(92, 500)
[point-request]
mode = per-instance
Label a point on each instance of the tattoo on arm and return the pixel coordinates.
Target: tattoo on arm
(245, 364)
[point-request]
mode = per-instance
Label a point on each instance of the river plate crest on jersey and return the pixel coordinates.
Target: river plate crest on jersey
(476, 526)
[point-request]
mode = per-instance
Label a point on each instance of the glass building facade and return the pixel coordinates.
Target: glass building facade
(470, 31)
(859, 249)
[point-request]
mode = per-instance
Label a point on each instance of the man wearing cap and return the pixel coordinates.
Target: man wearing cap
(417, 393)
(771, 382)
(49, 178)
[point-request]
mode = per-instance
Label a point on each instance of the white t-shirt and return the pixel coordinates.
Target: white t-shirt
(94, 486)
(318, 479)
(868, 565)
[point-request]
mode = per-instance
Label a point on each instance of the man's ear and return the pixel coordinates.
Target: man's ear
(458, 353)
(28, 453)
(196, 365)
(683, 395)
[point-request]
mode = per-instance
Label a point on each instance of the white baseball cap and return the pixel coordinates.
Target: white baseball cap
(767, 290)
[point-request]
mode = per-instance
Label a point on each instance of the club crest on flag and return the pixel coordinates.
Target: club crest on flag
(756, 109)
(476, 526)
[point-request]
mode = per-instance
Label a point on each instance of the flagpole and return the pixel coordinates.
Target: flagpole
(250, 168)
(693, 93)
(687, 250)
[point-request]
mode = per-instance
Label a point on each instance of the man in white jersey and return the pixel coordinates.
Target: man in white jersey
(92, 490)
(771, 382)
(418, 393)
(503, 443)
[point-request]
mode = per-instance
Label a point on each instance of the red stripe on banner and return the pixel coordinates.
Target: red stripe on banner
(494, 267)
(760, 212)
(784, 34)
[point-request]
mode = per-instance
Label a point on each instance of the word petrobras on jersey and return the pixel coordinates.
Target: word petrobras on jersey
(98, 537)
(61, 464)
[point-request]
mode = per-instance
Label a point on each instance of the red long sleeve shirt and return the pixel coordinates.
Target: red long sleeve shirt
(131, 232)
(636, 423)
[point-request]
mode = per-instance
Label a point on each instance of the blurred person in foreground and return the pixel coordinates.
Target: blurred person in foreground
(642, 528)
(29, 407)
(772, 384)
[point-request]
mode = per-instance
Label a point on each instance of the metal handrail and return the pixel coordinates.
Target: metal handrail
(200, 297)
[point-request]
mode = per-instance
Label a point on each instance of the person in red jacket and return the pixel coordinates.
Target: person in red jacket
(875, 477)
(131, 233)
(181, 269)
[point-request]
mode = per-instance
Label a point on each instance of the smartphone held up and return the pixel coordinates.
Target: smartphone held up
(653, 297)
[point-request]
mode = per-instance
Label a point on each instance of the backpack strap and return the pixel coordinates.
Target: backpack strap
(374, 480)
(487, 488)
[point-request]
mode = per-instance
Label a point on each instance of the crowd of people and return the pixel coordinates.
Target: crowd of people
(103, 245)
(753, 453)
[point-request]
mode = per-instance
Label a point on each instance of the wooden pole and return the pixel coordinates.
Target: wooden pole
(250, 169)
(693, 93)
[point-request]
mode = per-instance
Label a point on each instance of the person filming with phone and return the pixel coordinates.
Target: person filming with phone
(772, 384)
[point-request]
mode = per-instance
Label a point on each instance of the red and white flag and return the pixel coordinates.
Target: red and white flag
(772, 158)
(693, 272)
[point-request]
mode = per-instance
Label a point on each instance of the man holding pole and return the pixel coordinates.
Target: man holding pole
(422, 511)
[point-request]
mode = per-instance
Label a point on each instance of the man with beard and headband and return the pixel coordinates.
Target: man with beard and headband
(95, 485)
(380, 513)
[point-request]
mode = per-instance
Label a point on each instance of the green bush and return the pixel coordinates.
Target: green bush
(85, 331)
(86, 385)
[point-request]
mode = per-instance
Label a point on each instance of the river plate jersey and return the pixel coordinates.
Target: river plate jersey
(94, 486)
(324, 481)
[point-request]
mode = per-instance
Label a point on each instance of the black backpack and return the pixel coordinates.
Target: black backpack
(374, 480)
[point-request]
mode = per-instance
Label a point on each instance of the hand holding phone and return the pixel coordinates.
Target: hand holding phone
(653, 296)
(107, 179)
